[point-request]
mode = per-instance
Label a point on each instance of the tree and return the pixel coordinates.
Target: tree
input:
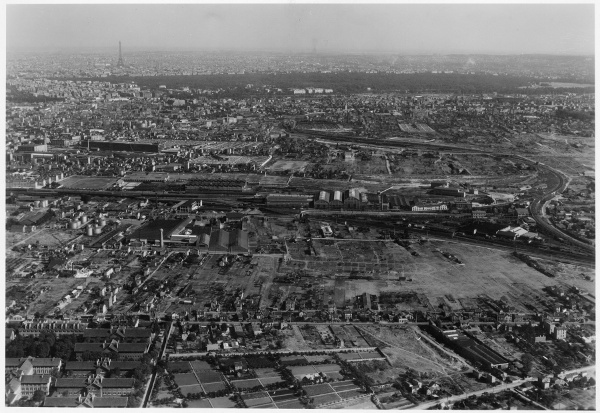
(527, 361)
(39, 396)
(42, 350)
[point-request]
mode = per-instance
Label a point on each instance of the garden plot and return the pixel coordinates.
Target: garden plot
(256, 399)
(199, 404)
(246, 384)
(192, 389)
(318, 389)
(223, 402)
(292, 404)
(186, 379)
(326, 399)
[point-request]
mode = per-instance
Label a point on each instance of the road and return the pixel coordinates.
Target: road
(495, 389)
(161, 353)
(452, 399)
(536, 204)
(482, 242)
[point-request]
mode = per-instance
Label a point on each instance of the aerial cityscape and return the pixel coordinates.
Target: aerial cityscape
(308, 206)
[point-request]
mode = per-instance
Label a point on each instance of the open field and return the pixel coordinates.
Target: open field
(48, 237)
(287, 165)
(578, 399)
(432, 164)
(45, 302)
(230, 160)
(374, 166)
(404, 350)
(87, 182)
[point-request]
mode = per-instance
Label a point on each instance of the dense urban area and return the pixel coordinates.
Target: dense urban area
(237, 230)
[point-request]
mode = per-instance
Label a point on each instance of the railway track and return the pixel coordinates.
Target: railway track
(536, 205)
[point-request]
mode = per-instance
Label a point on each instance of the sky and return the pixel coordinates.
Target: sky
(299, 28)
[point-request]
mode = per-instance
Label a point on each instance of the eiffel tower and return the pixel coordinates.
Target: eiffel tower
(120, 62)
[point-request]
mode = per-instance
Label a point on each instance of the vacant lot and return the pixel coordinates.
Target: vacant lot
(404, 350)
(285, 165)
(486, 272)
(88, 182)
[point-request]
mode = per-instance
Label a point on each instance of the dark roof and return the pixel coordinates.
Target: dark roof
(45, 362)
(36, 379)
(135, 332)
(225, 241)
(81, 347)
(151, 230)
(124, 365)
(60, 402)
(69, 383)
(96, 332)
(132, 347)
(12, 362)
(80, 365)
(117, 383)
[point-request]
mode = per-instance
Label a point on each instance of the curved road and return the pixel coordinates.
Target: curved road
(536, 205)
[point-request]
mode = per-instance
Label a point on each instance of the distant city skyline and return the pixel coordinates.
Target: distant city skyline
(305, 28)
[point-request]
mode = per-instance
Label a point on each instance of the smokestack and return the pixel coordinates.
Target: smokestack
(162, 241)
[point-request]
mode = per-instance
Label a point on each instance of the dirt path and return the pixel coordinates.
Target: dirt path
(442, 369)
(436, 345)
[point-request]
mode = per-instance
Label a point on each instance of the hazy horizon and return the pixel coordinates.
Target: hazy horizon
(408, 29)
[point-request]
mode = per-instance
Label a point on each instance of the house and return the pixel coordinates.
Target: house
(125, 351)
(94, 384)
(479, 214)
(79, 368)
(521, 213)
(30, 384)
(31, 365)
(233, 366)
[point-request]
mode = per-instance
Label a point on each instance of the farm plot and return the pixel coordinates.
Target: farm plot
(327, 368)
(199, 366)
(213, 387)
(185, 379)
(263, 373)
(326, 399)
(283, 395)
(349, 356)
(246, 384)
(223, 402)
(345, 387)
(293, 404)
(266, 381)
(256, 399)
(199, 404)
(180, 367)
(318, 389)
(293, 360)
(193, 389)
